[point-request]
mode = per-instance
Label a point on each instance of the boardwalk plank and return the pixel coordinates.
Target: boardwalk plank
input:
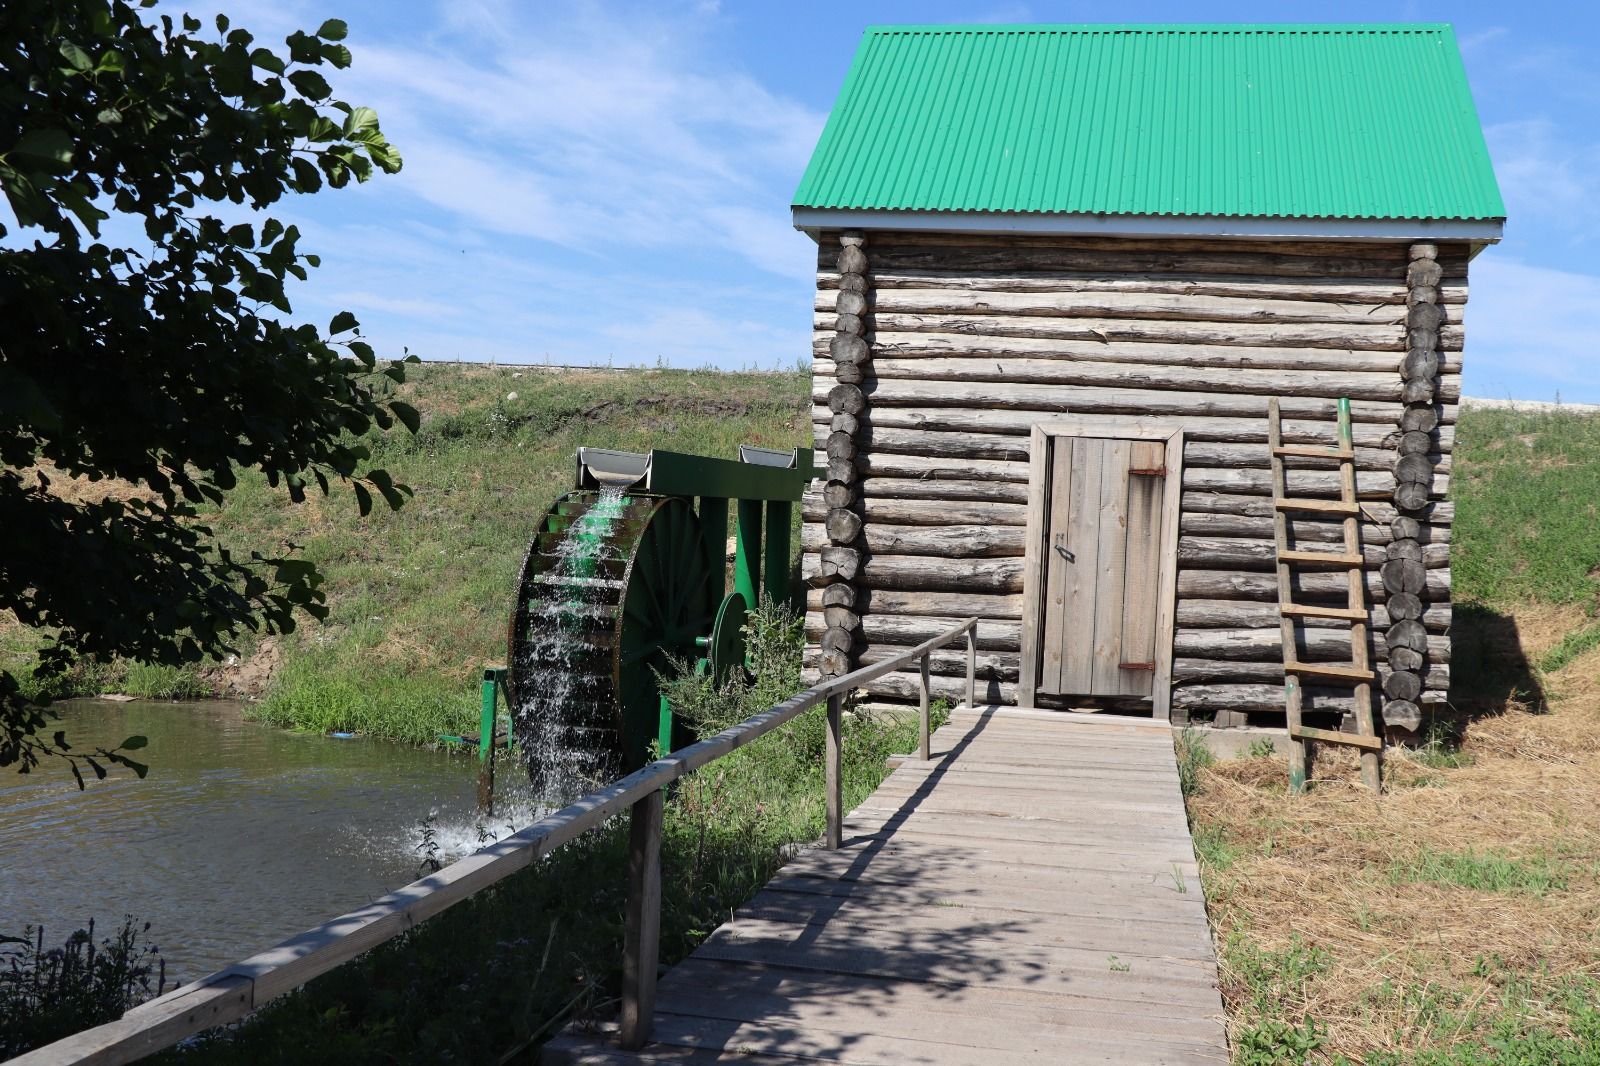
(1030, 895)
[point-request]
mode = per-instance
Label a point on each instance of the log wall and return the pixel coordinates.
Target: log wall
(970, 340)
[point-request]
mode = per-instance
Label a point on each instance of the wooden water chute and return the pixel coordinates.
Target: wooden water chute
(627, 576)
(1022, 275)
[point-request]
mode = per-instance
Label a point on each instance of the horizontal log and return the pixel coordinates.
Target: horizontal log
(930, 512)
(1331, 290)
(1439, 512)
(1359, 385)
(1202, 523)
(1256, 554)
(1148, 403)
(1186, 670)
(990, 666)
(1238, 614)
(1309, 586)
(1185, 307)
(927, 574)
(1375, 337)
(917, 487)
(1265, 644)
(1370, 484)
(1267, 697)
(950, 541)
(903, 686)
(871, 603)
(1238, 430)
(1252, 456)
(880, 628)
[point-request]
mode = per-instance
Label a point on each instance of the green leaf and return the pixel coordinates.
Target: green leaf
(76, 56)
(111, 63)
(342, 322)
(307, 177)
(266, 59)
(134, 743)
(337, 55)
(312, 85)
(333, 30)
(53, 147)
(406, 414)
(109, 116)
(360, 120)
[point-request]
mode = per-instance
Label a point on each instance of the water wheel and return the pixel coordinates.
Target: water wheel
(614, 586)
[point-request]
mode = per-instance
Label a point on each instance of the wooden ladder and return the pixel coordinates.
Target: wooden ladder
(1357, 673)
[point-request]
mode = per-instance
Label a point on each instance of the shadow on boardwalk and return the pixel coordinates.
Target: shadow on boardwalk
(1029, 895)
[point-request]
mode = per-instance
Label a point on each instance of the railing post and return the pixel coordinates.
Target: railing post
(972, 667)
(835, 760)
(641, 947)
(923, 725)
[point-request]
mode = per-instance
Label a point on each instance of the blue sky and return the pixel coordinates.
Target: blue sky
(593, 182)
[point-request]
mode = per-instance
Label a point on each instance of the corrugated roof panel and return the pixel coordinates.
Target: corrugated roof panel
(1283, 121)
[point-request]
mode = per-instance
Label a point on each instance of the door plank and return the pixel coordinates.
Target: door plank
(1083, 541)
(1057, 569)
(1110, 569)
(1145, 497)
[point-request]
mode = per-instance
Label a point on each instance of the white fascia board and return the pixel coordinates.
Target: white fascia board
(814, 219)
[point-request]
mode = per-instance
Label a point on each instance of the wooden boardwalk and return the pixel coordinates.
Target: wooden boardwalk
(1028, 896)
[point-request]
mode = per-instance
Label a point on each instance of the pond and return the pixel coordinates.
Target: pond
(241, 835)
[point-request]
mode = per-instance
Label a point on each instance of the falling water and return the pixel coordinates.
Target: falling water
(557, 701)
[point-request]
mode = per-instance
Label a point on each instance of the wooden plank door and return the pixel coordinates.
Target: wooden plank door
(1103, 539)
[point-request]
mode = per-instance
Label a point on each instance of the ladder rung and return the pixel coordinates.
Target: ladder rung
(1334, 736)
(1306, 610)
(1308, 451)
(1327, 506)
(1332, 671)
(1330, 558)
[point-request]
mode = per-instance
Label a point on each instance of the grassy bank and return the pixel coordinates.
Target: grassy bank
(419, 598)
(1456, 920)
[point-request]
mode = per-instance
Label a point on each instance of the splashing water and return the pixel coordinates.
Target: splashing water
(556, 701)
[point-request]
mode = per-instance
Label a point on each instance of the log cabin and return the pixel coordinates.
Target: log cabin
(1061, 272)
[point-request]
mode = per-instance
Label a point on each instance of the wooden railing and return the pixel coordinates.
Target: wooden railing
(233, 992)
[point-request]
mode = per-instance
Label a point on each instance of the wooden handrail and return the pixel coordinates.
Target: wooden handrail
(235, 991)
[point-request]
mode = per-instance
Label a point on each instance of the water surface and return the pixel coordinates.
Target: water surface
(241, 835)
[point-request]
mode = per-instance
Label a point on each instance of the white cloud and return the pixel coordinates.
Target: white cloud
(1547, 176)
(1531, 332)
(591, 130)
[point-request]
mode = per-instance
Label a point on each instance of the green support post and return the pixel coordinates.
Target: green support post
(1344, 423)
(747, 552)
(664, 728)
(714, 530)
(777, 550)
(493, 678)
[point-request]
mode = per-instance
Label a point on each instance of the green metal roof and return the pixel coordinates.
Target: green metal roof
(1336, 121)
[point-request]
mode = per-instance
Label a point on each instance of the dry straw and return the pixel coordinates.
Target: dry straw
(1465, 887)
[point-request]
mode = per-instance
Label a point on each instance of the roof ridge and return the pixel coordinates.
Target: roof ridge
(1161, 27)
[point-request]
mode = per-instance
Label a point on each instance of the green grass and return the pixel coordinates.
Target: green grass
(418, 599)
(1482, 872)
(1268, 980)
(1527, 491)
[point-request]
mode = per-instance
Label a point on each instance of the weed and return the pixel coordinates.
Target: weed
(1441, 748)
(1193, 757)
(1211, 844)
(49, 994)
(1486, 872)
(1261, 748)
(1117, 965)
